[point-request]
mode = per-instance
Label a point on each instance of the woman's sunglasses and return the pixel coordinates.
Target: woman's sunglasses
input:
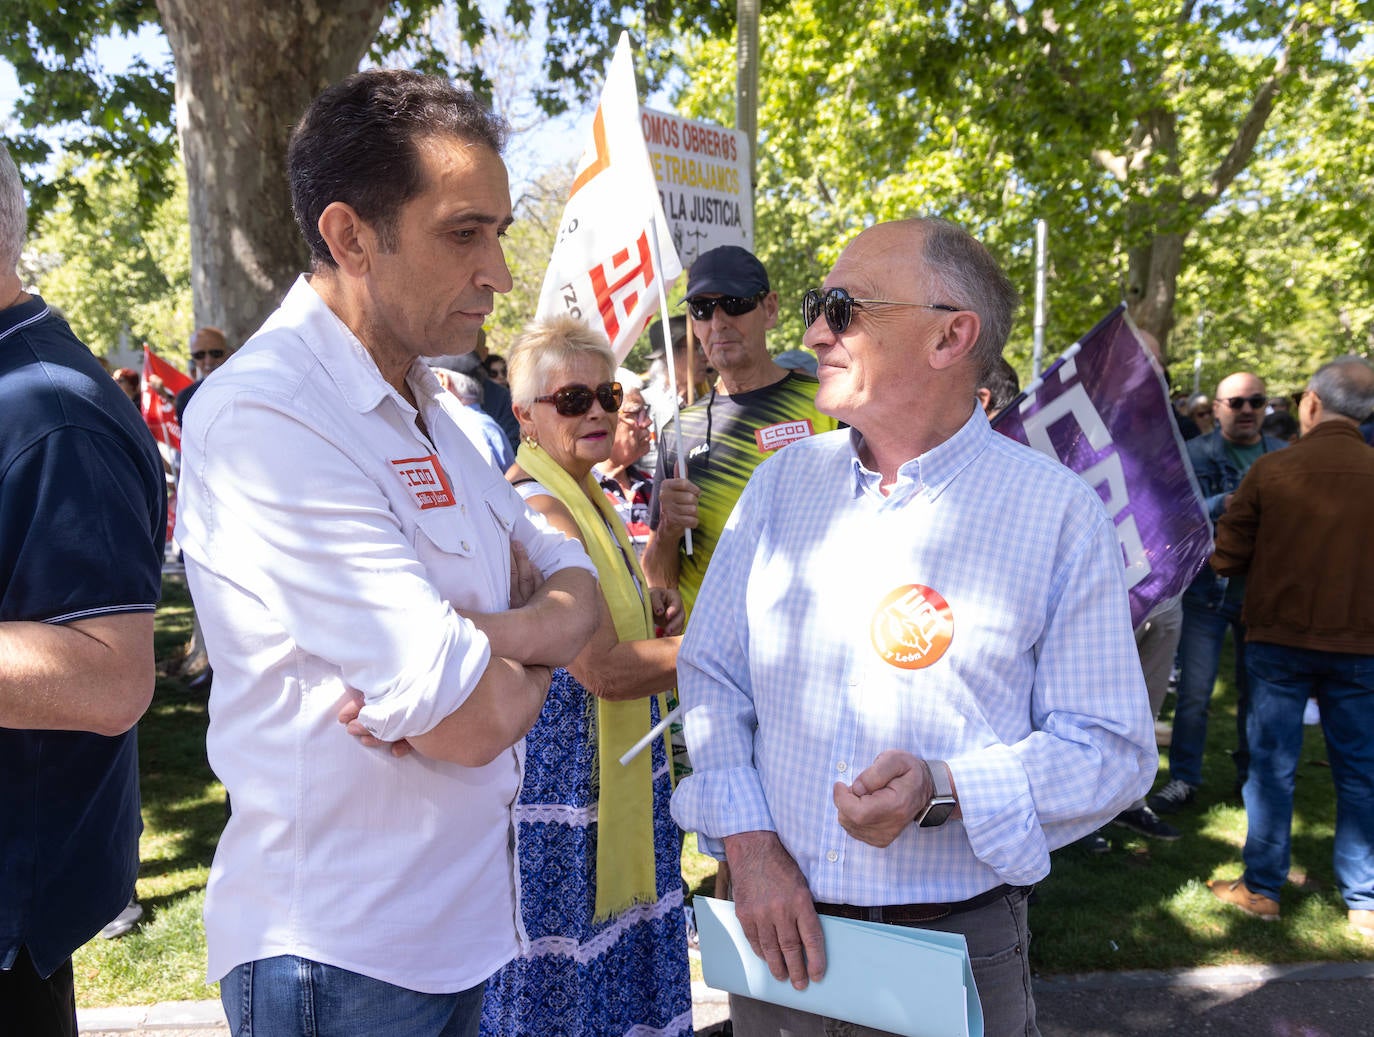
(701, 308)
(838, 307)
(573, 401)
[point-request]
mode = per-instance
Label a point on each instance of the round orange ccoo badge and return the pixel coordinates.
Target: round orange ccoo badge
(912, 627)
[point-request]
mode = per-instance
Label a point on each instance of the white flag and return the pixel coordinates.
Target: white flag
(604, 268)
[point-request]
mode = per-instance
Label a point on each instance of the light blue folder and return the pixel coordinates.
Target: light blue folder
(913, 982)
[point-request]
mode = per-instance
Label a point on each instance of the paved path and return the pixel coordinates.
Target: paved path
(1328, 999)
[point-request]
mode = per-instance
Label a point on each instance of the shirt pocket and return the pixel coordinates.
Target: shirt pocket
(447, 531)
(458, 557)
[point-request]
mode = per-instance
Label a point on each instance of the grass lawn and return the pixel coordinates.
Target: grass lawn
(1144, 905)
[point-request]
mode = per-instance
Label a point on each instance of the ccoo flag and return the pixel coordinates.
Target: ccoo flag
(604, 267)
(1103, 410)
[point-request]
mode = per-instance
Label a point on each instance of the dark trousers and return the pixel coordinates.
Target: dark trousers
(998, 944)
(31, 1006)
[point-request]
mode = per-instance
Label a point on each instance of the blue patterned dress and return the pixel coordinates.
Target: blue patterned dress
(627, 975)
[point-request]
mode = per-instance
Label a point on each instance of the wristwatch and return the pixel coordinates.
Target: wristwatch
(942, 801)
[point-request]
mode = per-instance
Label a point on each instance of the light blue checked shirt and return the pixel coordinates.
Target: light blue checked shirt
(1037, 705)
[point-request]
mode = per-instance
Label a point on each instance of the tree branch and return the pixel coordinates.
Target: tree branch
(1252, 125)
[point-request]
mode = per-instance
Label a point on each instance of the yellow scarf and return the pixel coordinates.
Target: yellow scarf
(625, 826)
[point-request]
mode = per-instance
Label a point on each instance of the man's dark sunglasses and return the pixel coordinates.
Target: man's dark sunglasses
(1236, 402)
(201, 354)
(701, 308)
(573, 401)
(838, 307)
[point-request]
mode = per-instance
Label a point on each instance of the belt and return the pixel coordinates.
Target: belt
(907, 913)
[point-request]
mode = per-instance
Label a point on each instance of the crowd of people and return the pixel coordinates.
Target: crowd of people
(445, 592)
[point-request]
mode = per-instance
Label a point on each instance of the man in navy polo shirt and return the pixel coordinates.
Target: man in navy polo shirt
(83, 516)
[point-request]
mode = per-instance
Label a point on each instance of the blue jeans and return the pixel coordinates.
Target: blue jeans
(1281, 681)
(1199, 658)
(288, 996)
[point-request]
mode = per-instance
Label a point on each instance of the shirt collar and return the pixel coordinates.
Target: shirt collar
(25, 313)
(344, 357)
(928, 473)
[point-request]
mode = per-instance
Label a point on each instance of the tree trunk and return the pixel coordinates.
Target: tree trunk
(245, 72)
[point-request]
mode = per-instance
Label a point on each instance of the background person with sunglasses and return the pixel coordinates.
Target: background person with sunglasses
(209, 349)
(1212, 604)
(629, 487)
(910, 674)
(600, 885)
(754, 408)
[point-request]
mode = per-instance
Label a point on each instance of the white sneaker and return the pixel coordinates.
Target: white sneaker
(123, 922)
(1311, 714)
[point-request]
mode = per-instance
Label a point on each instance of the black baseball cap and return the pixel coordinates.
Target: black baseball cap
(679, 327)
(727, 270)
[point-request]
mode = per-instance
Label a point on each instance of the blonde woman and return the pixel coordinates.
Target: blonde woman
(601, 889)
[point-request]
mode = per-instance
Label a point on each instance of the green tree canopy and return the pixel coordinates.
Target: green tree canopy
(1166, 144)
(118, 274)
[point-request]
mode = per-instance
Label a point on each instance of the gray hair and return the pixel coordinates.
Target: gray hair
(629, 381)
(14, 216)
(465, 387)
(971, 279)
(1345, 386)
(547, 345)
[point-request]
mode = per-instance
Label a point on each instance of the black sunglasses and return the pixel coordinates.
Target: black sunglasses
(734, 306)
(201, 354)
(1236, 402)
(838, 307)
(573, 401)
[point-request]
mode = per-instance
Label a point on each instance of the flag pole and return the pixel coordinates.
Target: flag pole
(680, 468)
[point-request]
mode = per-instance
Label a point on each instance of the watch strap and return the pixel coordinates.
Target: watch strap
(942, 802)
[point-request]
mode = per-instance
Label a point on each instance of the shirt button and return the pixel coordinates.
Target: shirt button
(842, 766)
(465, 546)
(832, 856)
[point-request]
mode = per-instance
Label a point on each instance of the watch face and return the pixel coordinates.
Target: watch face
(937, 813)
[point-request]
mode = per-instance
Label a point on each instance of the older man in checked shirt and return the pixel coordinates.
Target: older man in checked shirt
(911, 668)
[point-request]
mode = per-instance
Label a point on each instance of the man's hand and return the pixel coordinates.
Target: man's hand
(525, 579)
(348, 716)
(669, 617)
(677, 505)
(774, 906)
(885, 797)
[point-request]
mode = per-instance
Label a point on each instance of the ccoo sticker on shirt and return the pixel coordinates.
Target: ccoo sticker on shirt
(425, 479)
(912, 627)
(775, 437)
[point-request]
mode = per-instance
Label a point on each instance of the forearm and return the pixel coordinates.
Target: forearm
(552, 627)
(628, 669)
(662, 561)
(501, 709)
(88, 675)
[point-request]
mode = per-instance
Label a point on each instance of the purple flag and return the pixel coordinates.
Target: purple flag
(1103, 409)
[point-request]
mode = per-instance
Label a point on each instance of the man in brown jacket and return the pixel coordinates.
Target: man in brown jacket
(1299, 527)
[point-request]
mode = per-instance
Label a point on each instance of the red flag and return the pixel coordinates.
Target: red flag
(158, 411)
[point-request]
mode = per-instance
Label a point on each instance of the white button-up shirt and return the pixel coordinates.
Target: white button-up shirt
(328, 544)
(977, 615)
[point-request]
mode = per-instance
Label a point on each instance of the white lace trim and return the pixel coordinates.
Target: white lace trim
(556, 814)
(583, 953)
(682, 1024)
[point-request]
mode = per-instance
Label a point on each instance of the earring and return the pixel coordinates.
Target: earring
(529, 439)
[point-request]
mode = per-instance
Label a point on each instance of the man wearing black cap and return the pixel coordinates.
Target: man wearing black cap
(755, 408)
